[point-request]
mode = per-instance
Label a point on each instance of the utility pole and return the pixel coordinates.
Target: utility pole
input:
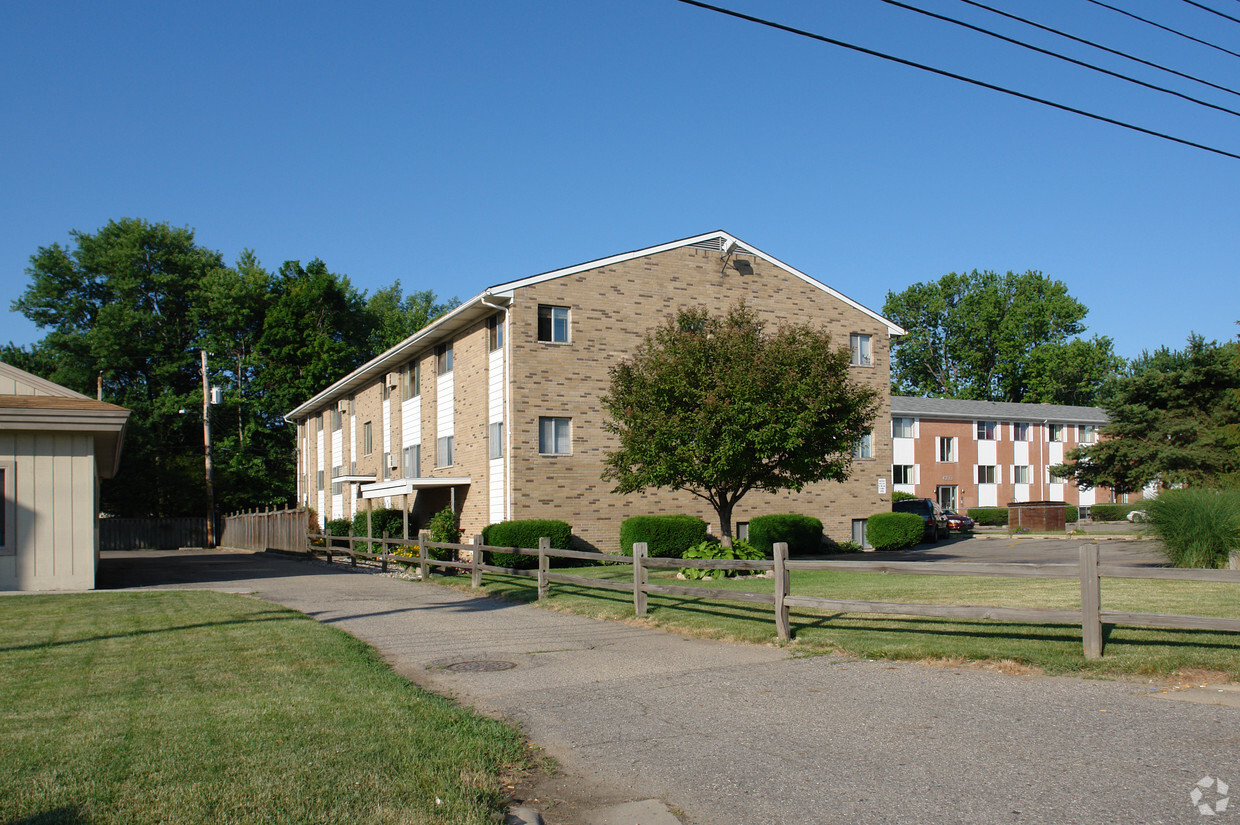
(206, 446)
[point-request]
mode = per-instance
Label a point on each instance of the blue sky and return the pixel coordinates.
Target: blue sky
(457, 145)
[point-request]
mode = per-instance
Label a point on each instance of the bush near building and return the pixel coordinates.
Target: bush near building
(803, 533)
(666, 537)
(894, 531)
(1114, 512)
(525, 534)
(989, 516)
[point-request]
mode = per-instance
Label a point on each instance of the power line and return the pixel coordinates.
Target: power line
(1059, 56)
(1204, 7)
(1107, 49)
(1164, 28)
(944, 73)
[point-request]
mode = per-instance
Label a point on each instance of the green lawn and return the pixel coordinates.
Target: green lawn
(1054, 648)
(198, 707)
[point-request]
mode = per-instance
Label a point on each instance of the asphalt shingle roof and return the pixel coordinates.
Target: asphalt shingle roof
(904, 405)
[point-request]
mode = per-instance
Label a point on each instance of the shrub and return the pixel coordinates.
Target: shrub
(989, 516)
(740, 549)
(525, 534)
(894, 531)
(381, 520)
(1198, 527)
(803, 534)
(1071, 514)
(900, 495)
(665, 536)
(831, 546)
(1114, 512)
(337, 527)
(443, 526)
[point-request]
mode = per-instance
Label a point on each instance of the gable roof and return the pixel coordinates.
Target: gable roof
(904, 405)
(500, 295)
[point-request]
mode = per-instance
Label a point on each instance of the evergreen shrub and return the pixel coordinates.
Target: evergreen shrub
(894, 531)
(525, 534)
(803, 533)
(989, 516)
(666, 537)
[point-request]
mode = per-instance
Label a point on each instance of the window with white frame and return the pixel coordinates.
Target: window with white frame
(443, 359)
(336, 420)
(858, 531)
(553, 324)
(864, 447)
(412, 461)
(8, 509)
(411, 381)
(1087, 434)
(337, 486)
(319, 474)
(554, 436)
(861, 353)
(985, 474)
(947, 449)
(368, 444)
(1055, 479)
(495, 332)
(903, 474)
(1020, 474)
(986, 430)
(901, 428)
(1055, 432)
(1020, 431)
(443, 451)
(495, 440)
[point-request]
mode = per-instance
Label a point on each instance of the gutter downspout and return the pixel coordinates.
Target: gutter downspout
(507, 409)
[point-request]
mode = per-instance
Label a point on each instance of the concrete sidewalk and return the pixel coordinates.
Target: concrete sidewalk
(738, 734)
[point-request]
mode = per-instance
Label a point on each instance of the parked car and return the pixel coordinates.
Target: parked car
(930, 511)
(955, 521)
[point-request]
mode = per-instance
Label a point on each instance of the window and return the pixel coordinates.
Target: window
(901, 428)
(986, 431)
(553, 436)
(947, 450)
(742, 530)
(903, 474)
(443, 359)
(495, 440)
(443, 451)
(368, 446)
(412, 460)
(1056, 432)
(386, 472)
(318, 425)
(1087, 434)
(858, 531)
(985, 474)
(337, 486)
(1020, 431)
(860, 345)
(1056, 479)
(495, 333)
(864, 448)
(553, 324)
(336, 420)
(1020, 474)
(320, 477)
(410, 381)
(8, 507)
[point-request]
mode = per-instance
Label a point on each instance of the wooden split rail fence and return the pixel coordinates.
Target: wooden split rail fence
(1091, 617)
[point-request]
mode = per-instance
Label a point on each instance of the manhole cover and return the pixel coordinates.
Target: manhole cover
(480, 666)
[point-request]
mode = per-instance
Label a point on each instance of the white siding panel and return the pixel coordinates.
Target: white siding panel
(1086, 496)
(1020, 452)
(495, 414)
(988, 494)
(1021, 491)
(1054, 454)
(411, 422)
(987, 452)
(1055, 492)
(902, 451)
(444, 406)
(496, 490)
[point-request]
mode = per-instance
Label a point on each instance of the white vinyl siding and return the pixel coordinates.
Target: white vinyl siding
(496, 486)
(445, 420)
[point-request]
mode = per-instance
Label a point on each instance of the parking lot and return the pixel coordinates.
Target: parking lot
(999, 547)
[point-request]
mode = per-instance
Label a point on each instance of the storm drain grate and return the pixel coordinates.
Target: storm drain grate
(480, 666)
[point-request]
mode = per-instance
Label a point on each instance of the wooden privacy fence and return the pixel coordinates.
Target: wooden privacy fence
(151, 533)
(1091, 617)
(266, 530)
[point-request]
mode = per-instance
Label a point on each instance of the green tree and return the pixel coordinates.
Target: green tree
(118, 307)
(394, 318)
(989, 337)
(718, 407)
(1175, 419)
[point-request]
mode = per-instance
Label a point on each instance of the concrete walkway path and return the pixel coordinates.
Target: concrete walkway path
(741, 734)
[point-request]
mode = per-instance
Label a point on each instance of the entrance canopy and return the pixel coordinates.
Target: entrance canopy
(405, 486)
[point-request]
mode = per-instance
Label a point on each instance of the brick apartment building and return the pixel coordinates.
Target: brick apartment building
(984, 454)
(494, 408)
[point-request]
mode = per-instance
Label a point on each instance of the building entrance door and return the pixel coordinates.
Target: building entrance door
(947, 497)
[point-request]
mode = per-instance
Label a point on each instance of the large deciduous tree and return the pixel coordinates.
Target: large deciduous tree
(719, 407)
(1175, 419)
(990, 337)
(394, 318)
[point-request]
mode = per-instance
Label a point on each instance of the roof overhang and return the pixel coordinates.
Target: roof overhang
(405, 486)
(104, 422)
(353, 479)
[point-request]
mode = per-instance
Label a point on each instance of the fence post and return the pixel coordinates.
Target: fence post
(782, 582)
(1091, 602)
(423, 538)
(1234, 563)
(544, 564)
(475, 575)
(639, 578)
(383, 550)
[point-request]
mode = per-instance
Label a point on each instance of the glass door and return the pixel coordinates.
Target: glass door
(947, 497)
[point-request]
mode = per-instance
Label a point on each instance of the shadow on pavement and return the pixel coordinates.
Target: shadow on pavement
(154, 568)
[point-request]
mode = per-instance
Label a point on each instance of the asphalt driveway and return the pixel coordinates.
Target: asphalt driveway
(742, 734)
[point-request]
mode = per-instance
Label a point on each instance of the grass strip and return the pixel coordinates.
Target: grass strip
(194, 707)
(1054, 648)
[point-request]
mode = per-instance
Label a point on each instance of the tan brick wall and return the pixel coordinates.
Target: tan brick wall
(610, 310)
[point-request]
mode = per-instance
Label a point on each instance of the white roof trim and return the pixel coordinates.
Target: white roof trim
(404, 486)
(41, 386)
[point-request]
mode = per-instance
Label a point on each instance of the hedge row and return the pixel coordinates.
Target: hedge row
(525, 534)
(1115, 512)
(894, 531)
(998, 516)
(666, 537)
(803, 534)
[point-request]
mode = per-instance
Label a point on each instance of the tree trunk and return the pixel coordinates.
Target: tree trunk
(724, 510)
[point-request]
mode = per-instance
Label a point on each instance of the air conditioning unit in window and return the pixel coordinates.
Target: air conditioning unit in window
(393, 379)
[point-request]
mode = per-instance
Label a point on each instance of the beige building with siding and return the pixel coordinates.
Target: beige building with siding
(55, 446)
(495, 408)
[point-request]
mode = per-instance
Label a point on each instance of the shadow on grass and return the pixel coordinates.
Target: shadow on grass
(262, 617)
(56, 816)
